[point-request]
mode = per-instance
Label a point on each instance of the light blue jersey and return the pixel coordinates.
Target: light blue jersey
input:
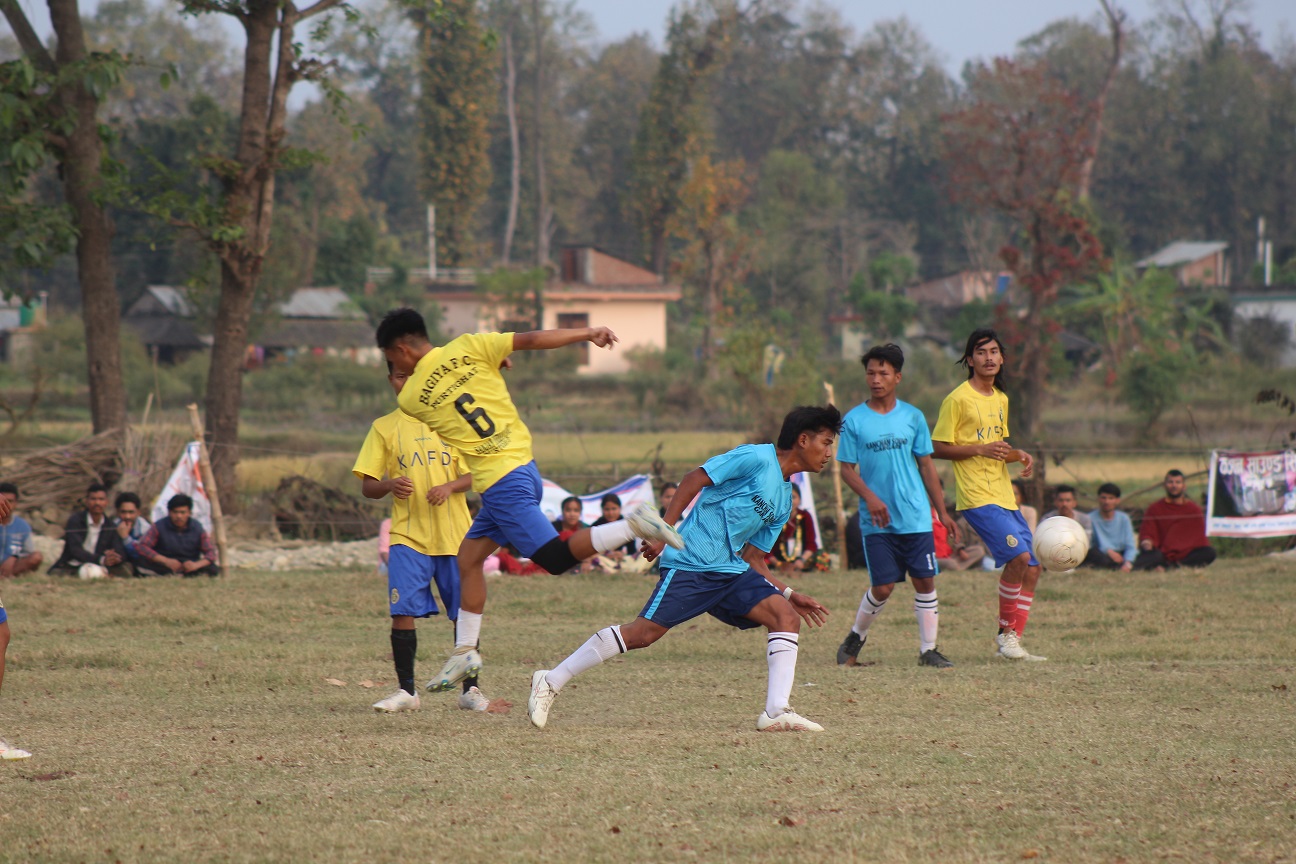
(749, 503)
(884, 446)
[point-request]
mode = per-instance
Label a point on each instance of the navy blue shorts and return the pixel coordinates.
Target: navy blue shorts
(4, 616)
(410, 575)
(511, 514)
(890, 556)
(684, 594)
(1004, 532)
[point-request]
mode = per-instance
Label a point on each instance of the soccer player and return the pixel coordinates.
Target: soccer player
(403, 458)
(885, 458)
(8, 753)
(743, 501)
(459, 391)
(971, 430)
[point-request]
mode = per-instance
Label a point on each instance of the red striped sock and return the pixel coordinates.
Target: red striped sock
(1008, 594)
(1023, 611)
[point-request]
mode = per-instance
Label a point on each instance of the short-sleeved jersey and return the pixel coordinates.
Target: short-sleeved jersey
(16, 538)
(970, 417)
(458, 391)
(400, 446)
(884, 447)
(749, 502)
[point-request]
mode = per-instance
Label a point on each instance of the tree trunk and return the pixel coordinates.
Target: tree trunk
(1116, 22)
(515, 148)
(543, 216)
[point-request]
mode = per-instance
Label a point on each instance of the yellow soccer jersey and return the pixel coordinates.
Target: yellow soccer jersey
(969, 417)
(459, 392)
(398, 445)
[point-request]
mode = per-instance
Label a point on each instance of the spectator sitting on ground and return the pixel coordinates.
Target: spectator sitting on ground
(1113, 544)
(797, 548)
(612, 513)
(1029, 513)
(131, 524)
(1173, 531)
(89, 536)
(667, 496)
(18, 553)
(178, 544)
(960, 556)
(1064, 504)
(569, 524)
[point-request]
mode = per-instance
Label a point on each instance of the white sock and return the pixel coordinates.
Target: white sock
(870, 608)
(467, 629)
(781, 654)
(603, 645)
(925, 610)
(611, 536)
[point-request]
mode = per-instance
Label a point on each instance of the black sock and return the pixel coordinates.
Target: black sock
(469, 683)
(404, 646)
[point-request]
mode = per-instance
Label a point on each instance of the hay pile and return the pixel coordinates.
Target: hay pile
(308, 510)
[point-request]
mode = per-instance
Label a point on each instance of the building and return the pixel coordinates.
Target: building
(163, 318)
(1192, 263)
(959, 289)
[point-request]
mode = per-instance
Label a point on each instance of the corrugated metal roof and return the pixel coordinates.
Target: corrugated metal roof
(172, 299)
(1182, 252)
(319, 303)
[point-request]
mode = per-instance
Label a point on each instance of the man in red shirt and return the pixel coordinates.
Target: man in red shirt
(1173, 532)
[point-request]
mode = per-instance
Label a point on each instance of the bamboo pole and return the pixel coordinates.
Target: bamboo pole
(209, 483)
(837, 494)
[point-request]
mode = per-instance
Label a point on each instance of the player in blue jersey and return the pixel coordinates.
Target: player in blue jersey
(743, 501)
(885, 456)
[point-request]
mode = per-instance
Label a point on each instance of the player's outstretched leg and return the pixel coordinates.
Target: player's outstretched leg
(781, 647)
(603, 645)
(648, 525)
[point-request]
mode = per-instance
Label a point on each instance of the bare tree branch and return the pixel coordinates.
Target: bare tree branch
(30, 43)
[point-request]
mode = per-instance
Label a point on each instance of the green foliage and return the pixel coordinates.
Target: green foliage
(970, 316)
(1150, 383)
(336, 382)
(885, 314)
(346, 248)
(513, 292)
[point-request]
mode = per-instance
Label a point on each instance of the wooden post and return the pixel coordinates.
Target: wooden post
(837, 494)
(209, 483)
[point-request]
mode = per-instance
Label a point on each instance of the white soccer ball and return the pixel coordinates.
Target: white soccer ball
(92, 571)
(1061, 544)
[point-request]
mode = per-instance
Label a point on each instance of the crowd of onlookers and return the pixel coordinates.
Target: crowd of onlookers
(97, 543)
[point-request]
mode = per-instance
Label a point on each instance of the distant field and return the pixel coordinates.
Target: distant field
(196, 720)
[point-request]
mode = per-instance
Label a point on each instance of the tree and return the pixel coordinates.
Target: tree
(53, 105)
(1018, 150)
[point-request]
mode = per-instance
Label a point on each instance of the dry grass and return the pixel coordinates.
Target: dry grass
(192, 720)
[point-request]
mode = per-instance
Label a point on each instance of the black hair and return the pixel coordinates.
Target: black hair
(978, 338)
(888, 353)
(1063, 490)
(667, 487)
(390, 369)
(1175, 472)
(569, 499)
(130, 497)
(611, 498)
(9, 488)
(1109, 489)
(399, 324)
(96, 487)
(178, 501)
(808, 418)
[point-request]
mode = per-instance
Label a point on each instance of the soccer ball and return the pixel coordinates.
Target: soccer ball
(1061, 544)
(92, 571)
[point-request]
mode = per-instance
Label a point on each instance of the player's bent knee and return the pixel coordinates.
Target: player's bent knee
(555, 556)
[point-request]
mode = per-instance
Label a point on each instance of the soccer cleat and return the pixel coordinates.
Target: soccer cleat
(647, 525)
(788, 721)
(541, 699)
(463, 663)
(9, 753)
(849, 650)
(1028, 657)
(473, 699)
(398, 702)
(932, 657)
(1010, 646)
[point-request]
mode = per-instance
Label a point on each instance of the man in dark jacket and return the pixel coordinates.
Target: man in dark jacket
(89, 536)
(177, 544)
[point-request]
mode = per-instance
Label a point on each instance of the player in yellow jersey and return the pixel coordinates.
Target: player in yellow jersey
(971, 430)
(403, 458)
(458, 390)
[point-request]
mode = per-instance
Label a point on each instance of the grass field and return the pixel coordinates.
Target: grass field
(196, 721)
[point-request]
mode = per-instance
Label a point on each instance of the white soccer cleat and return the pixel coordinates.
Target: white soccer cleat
(647, 525)
(788, 721)
(398, 702)
(9, 753)
(463, 663)
(473, 699)
(1018, 651)
(541, 699)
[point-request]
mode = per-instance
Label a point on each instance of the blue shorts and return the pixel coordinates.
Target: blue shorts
(511, 514)
(684, 594)
(4, 616)
(410, 576)
(890, 556)
(1004, 532)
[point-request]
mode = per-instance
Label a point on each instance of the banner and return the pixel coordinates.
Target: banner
(1252, 494)
(186, 478)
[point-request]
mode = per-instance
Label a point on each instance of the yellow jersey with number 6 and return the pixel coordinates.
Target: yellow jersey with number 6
(459, 392)
(970, 417)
